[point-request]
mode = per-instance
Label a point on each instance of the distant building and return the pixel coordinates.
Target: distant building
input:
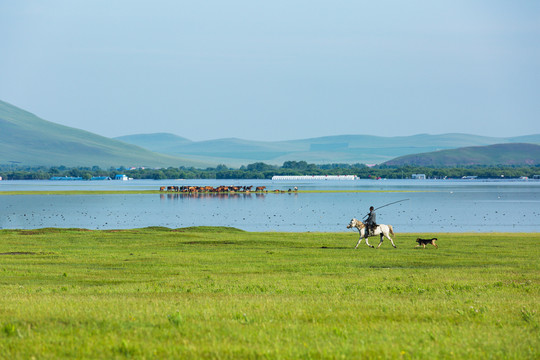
(100, 178)
(471, 177)
(122, 177)
(418, 176)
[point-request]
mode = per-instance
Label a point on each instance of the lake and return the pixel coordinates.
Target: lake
(432, 205)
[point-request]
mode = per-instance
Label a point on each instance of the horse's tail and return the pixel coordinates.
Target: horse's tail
(391, 230)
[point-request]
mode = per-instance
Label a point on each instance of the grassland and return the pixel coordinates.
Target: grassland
(223, 293)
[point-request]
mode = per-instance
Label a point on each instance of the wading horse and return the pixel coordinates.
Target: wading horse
(381, 230)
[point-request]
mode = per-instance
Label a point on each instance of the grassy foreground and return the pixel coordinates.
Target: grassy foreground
(223, 293)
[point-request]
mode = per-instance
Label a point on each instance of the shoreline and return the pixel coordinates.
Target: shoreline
(223, 229)
(151, 192)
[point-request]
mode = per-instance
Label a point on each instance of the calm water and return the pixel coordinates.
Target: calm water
(433, 206)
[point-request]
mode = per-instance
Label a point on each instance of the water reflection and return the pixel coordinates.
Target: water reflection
(176, 196)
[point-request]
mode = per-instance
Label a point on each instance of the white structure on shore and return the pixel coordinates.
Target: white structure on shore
(315, 177)
(122, 177)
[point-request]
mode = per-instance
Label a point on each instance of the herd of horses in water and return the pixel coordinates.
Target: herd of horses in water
(221, 189)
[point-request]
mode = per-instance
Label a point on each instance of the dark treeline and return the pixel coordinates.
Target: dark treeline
(261, 170)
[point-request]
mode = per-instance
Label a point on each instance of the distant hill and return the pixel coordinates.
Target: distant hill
(29, 140)
(159, 142)
(498, 154)
(323, 150)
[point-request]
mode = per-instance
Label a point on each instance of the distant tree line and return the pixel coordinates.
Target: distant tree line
(260, 170)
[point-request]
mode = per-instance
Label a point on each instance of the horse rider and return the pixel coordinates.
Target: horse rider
(371, 220)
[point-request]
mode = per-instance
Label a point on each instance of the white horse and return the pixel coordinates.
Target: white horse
(382, 230)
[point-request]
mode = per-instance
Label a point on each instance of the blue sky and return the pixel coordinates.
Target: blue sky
(276, 70)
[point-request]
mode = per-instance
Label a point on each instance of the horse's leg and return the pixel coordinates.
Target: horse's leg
(392, 241)
(359, 241)
(389, 238)
(380, 241)
(368, 244)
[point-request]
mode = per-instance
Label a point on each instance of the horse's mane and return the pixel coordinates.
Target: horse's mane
(361, 223)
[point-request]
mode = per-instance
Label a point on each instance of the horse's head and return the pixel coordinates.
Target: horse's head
(355, 223)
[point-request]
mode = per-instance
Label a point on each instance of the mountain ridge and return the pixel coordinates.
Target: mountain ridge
(321, 150)
(490, 155)
(27, 139)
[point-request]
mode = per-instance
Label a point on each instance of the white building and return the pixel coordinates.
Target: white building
(122, 177)
(418, 176)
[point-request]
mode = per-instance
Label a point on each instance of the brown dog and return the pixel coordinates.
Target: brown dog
(424, 242)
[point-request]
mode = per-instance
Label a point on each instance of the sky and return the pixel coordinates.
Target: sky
(275, 70)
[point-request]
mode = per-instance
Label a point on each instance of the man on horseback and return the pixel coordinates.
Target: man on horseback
(370, 222)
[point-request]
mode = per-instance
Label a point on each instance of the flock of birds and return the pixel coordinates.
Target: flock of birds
(132, 211)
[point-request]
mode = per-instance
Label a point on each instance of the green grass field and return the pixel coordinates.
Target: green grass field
(220, 293)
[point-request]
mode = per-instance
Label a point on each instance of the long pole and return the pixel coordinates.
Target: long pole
(395, 202)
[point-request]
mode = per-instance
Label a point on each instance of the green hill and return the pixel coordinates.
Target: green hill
(329, 149)
(29, 140)
(159, 142)
(498, 154)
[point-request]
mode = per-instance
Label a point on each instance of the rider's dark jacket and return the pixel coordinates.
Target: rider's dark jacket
(371, 219)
